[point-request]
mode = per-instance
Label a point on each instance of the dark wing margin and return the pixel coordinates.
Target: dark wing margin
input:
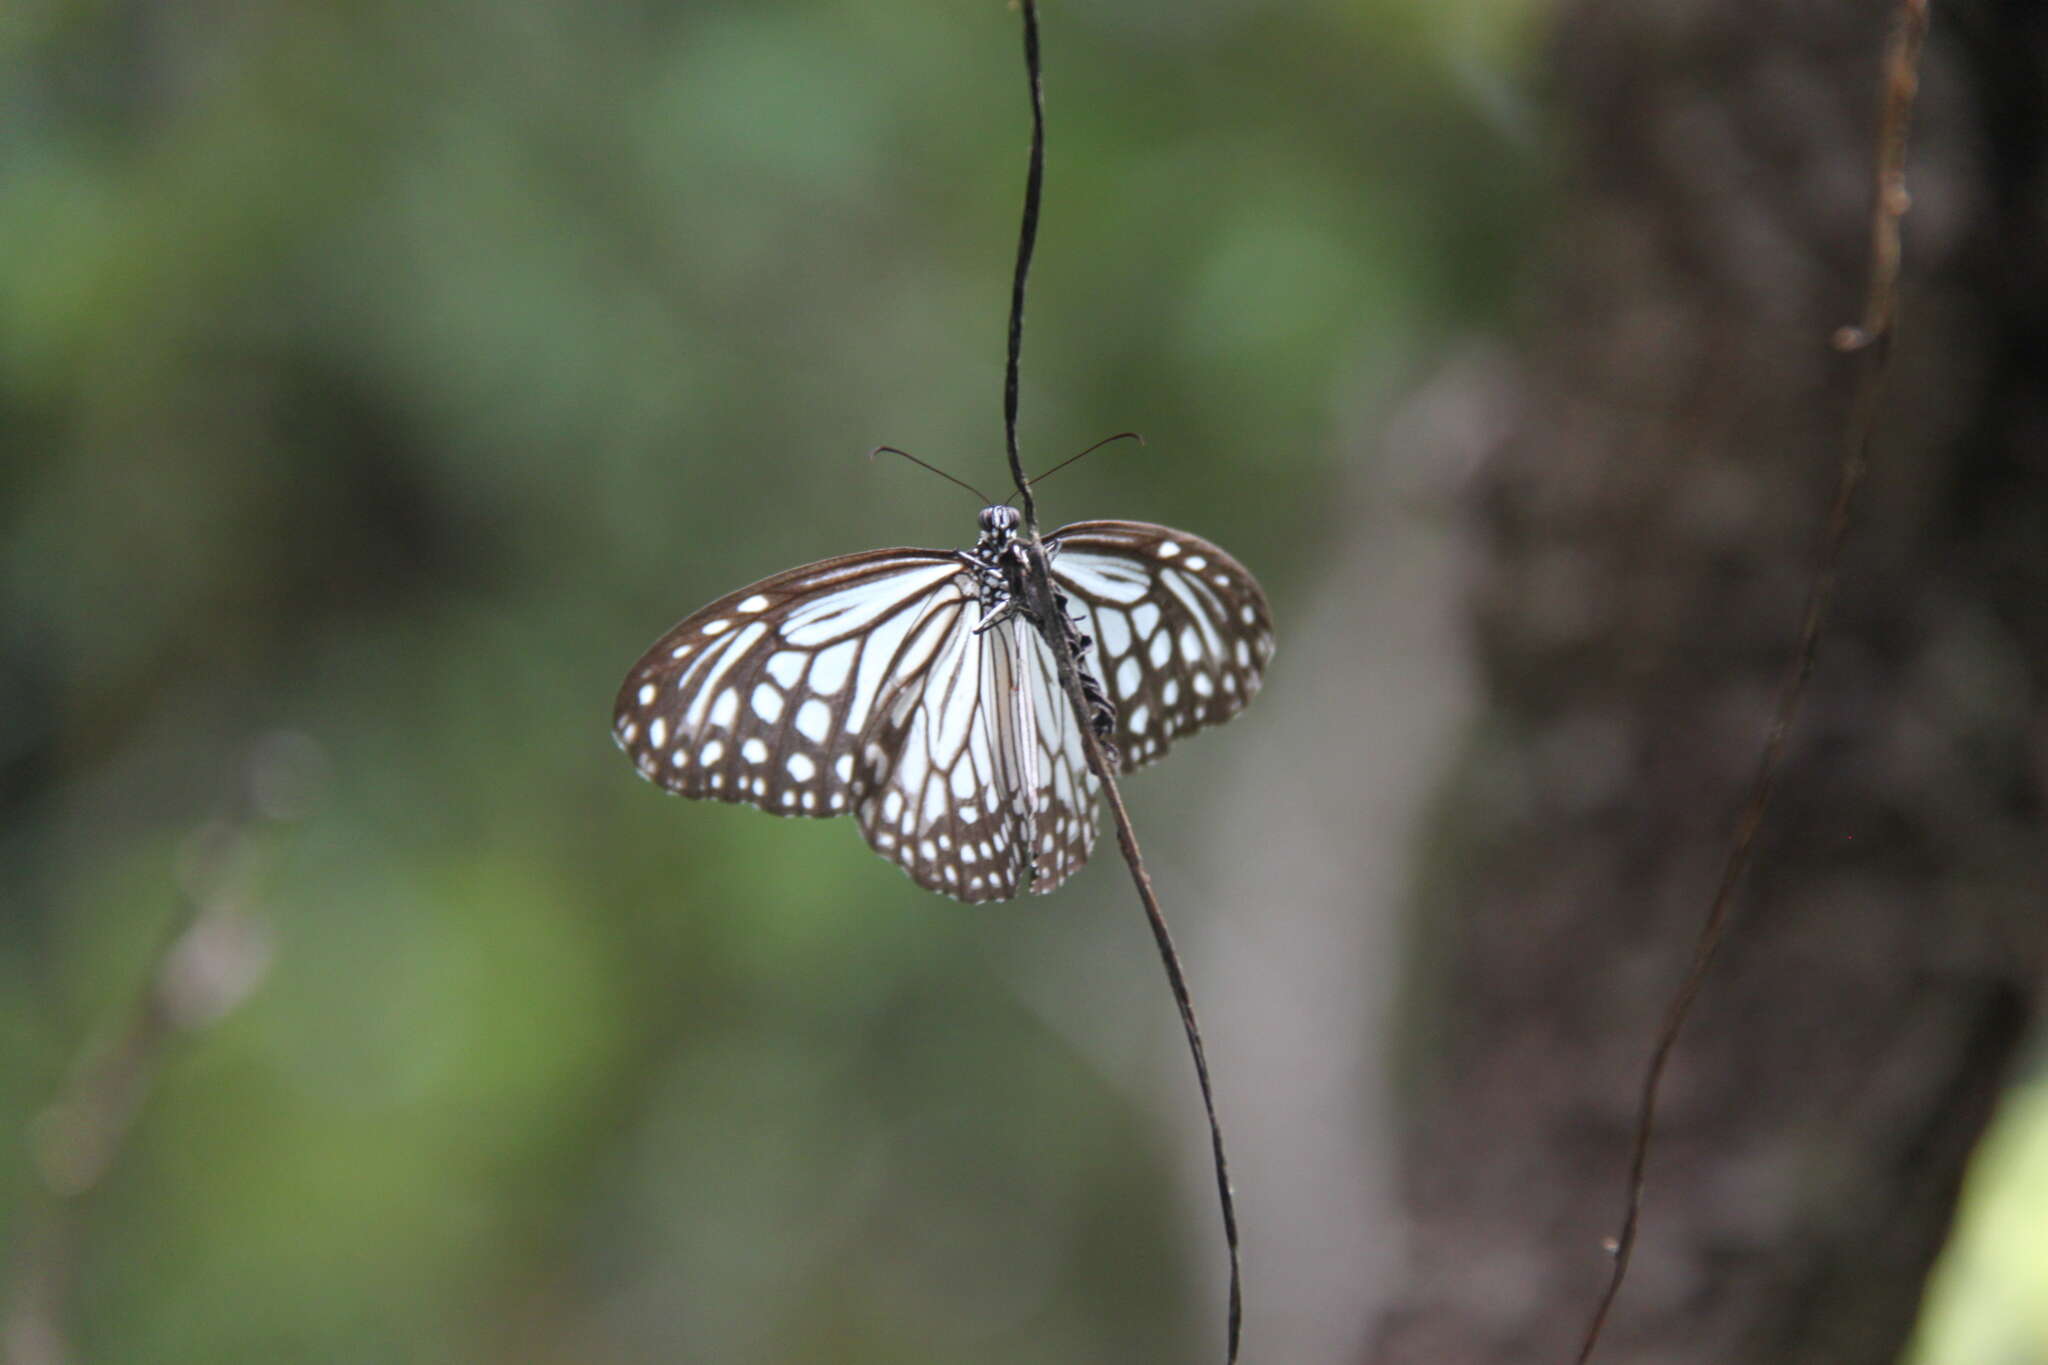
(1182, 631)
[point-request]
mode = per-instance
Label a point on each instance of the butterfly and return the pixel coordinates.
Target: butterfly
(913, 689)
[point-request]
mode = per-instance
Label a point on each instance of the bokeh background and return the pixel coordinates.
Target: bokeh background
(378, 379)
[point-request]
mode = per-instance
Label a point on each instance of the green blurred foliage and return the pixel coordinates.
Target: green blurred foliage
(387, 376)
(1988, 1303)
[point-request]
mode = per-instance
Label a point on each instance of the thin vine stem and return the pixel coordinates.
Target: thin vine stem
(1169, 957)
(1044, 606)
(1870, 343)
(1027, 241)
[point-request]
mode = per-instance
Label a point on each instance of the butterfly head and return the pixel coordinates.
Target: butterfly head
(999, 523)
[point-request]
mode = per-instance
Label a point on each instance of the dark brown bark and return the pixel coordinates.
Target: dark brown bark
(1646, 541)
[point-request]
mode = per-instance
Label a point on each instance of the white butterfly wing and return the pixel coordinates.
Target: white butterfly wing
(763, 696)
(1182, 631)
(1064, 813)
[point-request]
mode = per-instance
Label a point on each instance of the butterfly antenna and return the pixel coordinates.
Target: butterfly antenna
(892, 450)
(1120, 436)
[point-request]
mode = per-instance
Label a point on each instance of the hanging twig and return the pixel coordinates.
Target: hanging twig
(1027, 241)
(1043, 606)
(1127, 840)
(1870, 343)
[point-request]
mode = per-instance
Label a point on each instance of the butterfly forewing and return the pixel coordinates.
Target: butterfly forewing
(763, 696)
(1182, 631)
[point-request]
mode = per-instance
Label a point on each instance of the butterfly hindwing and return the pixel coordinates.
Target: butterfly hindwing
(1063, 816)
(943, 794)
(1182, 631)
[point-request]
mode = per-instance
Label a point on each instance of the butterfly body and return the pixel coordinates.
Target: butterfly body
(918, 690)
(1009, 576)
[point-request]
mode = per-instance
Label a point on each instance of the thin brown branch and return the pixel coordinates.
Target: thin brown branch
(1870, 344)
(1169, 957)
(215, 951)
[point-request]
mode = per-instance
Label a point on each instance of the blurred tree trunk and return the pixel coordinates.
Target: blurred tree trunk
(1645, 541)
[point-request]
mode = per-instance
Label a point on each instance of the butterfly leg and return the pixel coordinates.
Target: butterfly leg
(1000, 613)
